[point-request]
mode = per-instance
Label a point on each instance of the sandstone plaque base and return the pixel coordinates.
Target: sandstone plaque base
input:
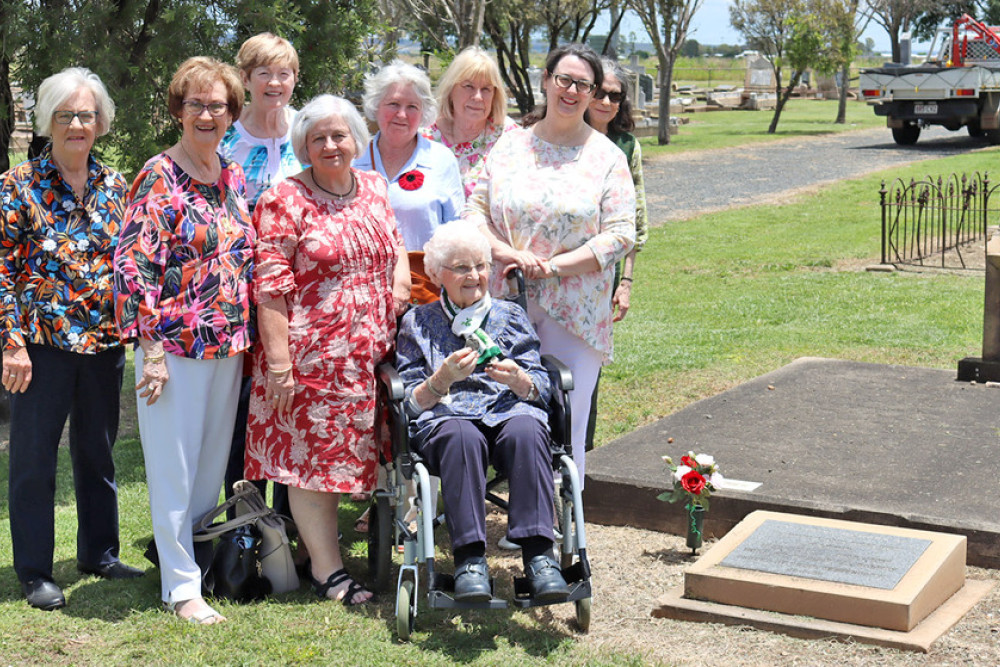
(841, 571)
(674, 605)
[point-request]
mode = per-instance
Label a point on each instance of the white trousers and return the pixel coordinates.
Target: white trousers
(585, 363)
(185, 440)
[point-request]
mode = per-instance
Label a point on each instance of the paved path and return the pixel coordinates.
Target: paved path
(683, 185)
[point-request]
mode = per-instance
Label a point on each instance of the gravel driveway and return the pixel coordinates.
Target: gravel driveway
(686, 184)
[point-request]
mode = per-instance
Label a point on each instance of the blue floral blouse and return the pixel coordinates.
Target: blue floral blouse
(56, 256)
(425, 340)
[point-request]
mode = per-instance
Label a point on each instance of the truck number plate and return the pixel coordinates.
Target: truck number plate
(925, 109)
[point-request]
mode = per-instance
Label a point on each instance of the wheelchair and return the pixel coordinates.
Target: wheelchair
(388, 526)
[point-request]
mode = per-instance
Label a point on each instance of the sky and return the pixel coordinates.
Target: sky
(711, 26)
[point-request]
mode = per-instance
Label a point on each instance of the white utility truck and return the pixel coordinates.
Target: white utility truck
(957, 86)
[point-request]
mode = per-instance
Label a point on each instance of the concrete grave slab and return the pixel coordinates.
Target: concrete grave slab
(890, 445)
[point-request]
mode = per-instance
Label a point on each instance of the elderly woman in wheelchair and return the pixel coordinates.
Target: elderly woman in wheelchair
(475, 393)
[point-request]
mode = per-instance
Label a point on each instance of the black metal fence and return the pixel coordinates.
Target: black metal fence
(928, 222)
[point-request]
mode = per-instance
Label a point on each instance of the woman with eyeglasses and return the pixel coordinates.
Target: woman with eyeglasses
(611, 115)
(60, 215)
(182, 287)
(557, 201)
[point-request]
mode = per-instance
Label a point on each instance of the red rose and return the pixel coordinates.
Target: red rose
(688, 461)
(411, 180)
(693, 482)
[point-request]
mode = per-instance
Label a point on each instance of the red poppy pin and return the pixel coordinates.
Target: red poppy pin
(411, 180)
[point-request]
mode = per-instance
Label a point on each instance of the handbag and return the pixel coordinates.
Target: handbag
(276, 562)
(236, 566)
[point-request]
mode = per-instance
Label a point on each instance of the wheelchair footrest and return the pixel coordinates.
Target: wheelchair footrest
(442, 589)
(578, 590)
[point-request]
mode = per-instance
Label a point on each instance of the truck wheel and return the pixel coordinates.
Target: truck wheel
(974, 129)
(992, 136)
(906, 135)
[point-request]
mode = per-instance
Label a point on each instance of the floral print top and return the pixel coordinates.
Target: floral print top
(471, 155)
(264, 161)
(56, 253)
(551, 199)
(185, 262)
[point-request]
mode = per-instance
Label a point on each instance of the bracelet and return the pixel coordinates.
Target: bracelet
(431, 388)
(532, 393)
(155, 359)
(282, 371)
(626, 280)
(554, 269)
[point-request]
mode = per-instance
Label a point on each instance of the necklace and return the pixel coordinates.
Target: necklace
(340, 197)
(207, 170)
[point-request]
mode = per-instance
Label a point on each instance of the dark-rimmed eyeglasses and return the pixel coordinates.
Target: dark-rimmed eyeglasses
(66, 117)
(564, 81)
(194, 108)
(615, 97)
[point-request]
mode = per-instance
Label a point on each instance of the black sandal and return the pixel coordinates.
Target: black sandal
(336, 579)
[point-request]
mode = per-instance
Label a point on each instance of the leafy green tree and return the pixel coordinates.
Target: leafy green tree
(668, 23)
(691, 48)
(12, 29)
(788, 32)
(135, 47)
(510, 24)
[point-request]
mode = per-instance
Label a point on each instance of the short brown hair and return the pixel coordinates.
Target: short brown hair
(267, 49)
(199, 73)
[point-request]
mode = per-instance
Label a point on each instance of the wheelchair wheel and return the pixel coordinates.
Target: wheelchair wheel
(380, 543)
(583, 614)
(404, 610)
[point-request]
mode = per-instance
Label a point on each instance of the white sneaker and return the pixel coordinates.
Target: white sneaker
(507, 545)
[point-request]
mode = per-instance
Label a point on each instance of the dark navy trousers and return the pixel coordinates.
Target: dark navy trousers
(460, 450)
(86, 388)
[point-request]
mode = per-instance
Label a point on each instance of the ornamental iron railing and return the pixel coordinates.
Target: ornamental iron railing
(928, 222)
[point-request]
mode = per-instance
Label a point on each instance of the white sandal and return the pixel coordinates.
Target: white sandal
(202, 617)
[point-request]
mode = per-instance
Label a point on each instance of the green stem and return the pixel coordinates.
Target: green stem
(690, 507)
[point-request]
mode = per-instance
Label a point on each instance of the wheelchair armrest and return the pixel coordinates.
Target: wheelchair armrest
(559, 373)
(389, 377)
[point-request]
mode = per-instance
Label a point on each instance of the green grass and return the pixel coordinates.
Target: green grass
(718, 299)
(727, 129)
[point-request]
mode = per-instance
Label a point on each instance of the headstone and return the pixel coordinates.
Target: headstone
(759, 76)
(987, 367)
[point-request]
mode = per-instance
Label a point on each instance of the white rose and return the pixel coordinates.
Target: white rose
(705, 460)
(48, 245)
(716, 480)
(82, 245)
(95, 218)
(681, 471)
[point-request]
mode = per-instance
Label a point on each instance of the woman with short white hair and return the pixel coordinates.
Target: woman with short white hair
(60, 216)
(425, 186)
(331, 279)
(476, 395)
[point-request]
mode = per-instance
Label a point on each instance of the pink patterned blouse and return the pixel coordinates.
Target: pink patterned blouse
(471, 155)
(551, 199)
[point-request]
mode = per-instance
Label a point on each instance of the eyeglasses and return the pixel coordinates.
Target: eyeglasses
(464, 270)
(66, 117)
(194, 108)
(564, 81)
(613, 97)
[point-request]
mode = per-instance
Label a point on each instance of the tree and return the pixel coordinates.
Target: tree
(136, 45)
(443, 20)
(787, 33)
(844, 26)
(667, 22)
(510, 23)
(897, 16)
(12, 28)
(691, 48)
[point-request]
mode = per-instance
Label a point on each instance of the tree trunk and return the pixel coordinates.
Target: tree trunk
(666, 80)
(6, 113)
(782, 98)
(845, 84)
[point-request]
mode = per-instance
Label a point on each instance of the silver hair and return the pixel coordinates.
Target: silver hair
(616, 69)
(398, 72)
(323, 107)
(449, 239)
(60, 87)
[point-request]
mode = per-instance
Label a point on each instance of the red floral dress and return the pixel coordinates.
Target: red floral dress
(333, 262)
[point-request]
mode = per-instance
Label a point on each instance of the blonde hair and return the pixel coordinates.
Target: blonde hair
(267, 49)
(60, 87)
(199, 73)
(472, 64)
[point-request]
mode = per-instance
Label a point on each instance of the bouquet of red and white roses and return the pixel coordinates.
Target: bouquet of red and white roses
(694, 479)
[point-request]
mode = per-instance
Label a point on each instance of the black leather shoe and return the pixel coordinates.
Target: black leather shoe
(546, 579)
(115, 570)
(472, 581)
(43, 594)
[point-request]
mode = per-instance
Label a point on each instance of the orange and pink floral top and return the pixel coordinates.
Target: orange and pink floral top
(471, 155)
(184, 264)
(552, 199)
(56, 252)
